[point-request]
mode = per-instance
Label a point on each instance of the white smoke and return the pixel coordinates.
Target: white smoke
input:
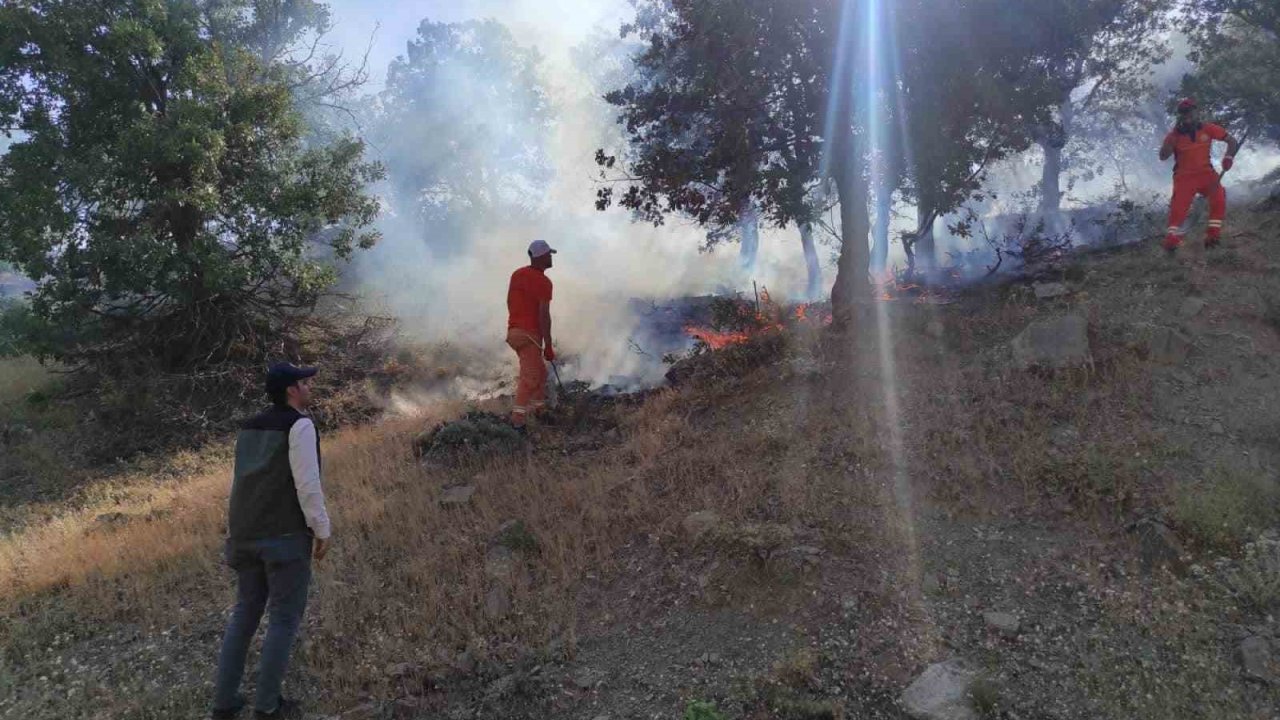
(604, 259)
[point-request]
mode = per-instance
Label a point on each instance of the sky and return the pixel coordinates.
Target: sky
(552, 25)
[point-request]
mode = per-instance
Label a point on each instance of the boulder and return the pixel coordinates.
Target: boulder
(699, 523)
(367, 711)
(400, 671)
(1191, 307)
(1057, 343)
(942, 692)
(1006, 624)
(1256, 656)
(1168, 346)
(1158, 544)
(457, 496)
(1050, 290)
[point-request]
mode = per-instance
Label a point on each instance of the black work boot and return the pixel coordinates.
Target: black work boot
(285, 710)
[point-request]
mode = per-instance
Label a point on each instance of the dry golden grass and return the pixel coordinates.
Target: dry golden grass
(405, 581)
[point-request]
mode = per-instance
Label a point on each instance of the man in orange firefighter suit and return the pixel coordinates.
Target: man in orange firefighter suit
(1190, 142)
(529, 331)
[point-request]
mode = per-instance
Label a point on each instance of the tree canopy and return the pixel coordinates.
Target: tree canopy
(1237, 49)
(161, 194)
(750, 102)
(462, 124)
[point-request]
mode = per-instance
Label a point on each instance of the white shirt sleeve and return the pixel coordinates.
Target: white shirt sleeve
(304, 460)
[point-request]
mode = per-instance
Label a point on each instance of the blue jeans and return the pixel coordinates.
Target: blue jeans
(271, 572)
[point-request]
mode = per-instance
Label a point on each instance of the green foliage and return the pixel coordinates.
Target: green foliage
(162, 193)
(1230, 507)
(1237, 49)
(16, 328)
(985, 697)
(1254, 580)
(475, 432)
(702, 710)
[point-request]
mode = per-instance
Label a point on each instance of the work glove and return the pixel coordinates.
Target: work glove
(1227, 162)
(548, 354)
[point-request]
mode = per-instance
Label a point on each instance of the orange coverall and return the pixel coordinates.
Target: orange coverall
(530, 287)
(1194, 174)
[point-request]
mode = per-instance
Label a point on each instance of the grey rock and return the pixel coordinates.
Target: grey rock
(930, 585)
(942, 692)
(497, 602)
(1050, 290)
(1169, 346)
(403, 670)
(935, 329)
(112, 519)
(465, 663)
(585, 679)
(367, 711)
(1217, 429)
(1256, 657)
(406, 709)
(1056, 343)
(1158, 544)
(457, 496)
(1064, 436)
(500, 572)
(499, 564)
(699, 523)
(1191, 307)
(503, 686)
(1006, 624)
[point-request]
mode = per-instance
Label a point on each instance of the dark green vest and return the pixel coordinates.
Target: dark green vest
(264, 501)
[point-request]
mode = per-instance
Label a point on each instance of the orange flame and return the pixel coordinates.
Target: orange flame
(714, 339)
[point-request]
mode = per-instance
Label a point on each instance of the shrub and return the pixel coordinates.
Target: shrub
(702, 710)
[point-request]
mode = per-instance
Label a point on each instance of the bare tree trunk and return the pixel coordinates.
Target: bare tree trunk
(880, 232)
(1053, 143)
(813, 288)
(749, 224)
(925, 249)
(853, 284)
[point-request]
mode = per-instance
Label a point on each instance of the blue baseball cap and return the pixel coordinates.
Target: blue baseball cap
(284, 375)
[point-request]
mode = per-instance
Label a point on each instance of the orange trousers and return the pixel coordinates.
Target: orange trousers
(1185, 189)
(531, 388)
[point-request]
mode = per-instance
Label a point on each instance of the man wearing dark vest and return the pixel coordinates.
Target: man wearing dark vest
(276, 524)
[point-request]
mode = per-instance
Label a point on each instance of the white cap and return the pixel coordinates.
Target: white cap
(538, 248)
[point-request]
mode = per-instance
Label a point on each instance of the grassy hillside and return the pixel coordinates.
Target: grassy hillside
(796, 532)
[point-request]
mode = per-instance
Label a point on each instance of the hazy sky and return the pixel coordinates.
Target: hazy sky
(552, 25)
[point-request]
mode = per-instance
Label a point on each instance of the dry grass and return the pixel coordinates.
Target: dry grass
(768, 452)
(405, 581)
(19, 377)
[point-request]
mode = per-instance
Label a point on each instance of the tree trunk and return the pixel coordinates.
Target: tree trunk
(853, 285)
(925, 249)
(1052, 144)
(749, 224)
(880, 232)
(813, 288)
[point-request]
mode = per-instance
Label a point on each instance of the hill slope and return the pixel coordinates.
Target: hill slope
(796, 532)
